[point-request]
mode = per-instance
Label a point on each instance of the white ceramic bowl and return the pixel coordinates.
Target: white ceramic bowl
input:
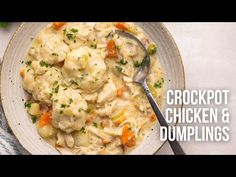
(12, 93)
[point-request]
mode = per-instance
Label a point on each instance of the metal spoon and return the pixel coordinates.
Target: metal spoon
(140, 78)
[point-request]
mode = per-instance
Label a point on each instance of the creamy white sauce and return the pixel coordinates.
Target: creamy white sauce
(91, 97)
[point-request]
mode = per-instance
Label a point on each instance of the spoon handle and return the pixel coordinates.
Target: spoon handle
(174, 144)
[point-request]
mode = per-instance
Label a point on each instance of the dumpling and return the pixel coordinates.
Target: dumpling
(85, 68)
(38, 68)
(45, 85)
(79, 34)
(76, 61)
(50, 48)
(68, 110)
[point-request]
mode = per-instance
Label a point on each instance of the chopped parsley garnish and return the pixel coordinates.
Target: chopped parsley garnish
(95, 124)
(158, 84)
(56, 100)
(28, 63)
(65, 88)
(82, 130)
(94, 45)
(27, 104)
(123, 61)
(64, 31)
(55, 83)
(73, 82)
(57, 89)
(152, 49)
(44, 64)
(80, 109)
(82, 76)
(70, 100)
(101, 125)
(137, 64)
(74, 30)
(63, 105)
(118, 47)
(54, 54)
(61, 112)
(118, 68)
(71, 34)
(34, 119)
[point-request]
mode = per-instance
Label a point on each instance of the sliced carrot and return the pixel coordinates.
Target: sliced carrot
(111, 48)
(121, 26)
(120, 91)
(58, 25)
(131, 143)
(153, 118)
(22, 72)
(45, 119)
(127, 137)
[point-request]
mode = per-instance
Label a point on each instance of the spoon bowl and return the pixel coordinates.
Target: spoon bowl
(140, 78)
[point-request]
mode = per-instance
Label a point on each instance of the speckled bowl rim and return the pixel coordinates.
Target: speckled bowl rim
(164, 29)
